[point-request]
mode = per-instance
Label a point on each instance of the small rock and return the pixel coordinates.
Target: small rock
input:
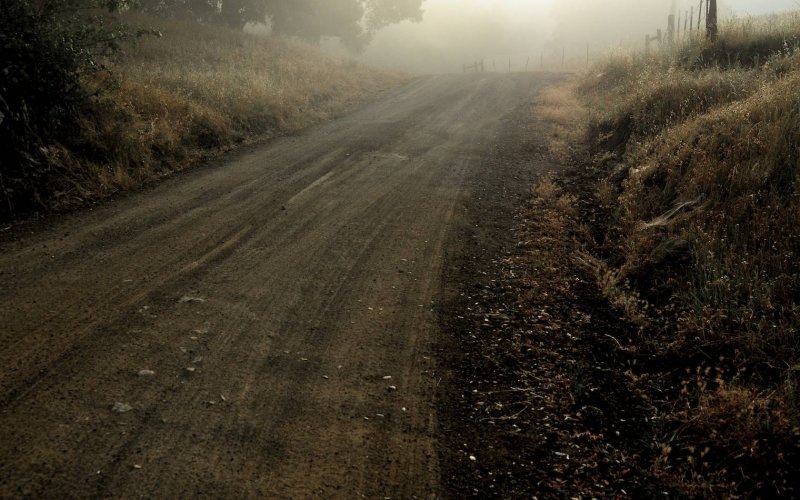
(190, 369)
(187, 299)
(325, 377)
(146, 373)
(137, 466)
(387, 377)
(121, 407)
(472, 458)
(392, 387)
(223, 398)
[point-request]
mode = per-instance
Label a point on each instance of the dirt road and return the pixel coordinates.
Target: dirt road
(268, 298)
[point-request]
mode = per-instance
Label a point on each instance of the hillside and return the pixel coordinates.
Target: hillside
(684, 205)
(192, 93)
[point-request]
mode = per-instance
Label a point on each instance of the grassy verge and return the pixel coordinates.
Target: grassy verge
(694, 203)
(193, 93)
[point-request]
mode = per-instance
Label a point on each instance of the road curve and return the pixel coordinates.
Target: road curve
(270, 297)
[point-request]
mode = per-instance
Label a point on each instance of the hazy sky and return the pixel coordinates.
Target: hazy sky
(457, 31)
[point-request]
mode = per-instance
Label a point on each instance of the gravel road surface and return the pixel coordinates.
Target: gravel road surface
(262, 326)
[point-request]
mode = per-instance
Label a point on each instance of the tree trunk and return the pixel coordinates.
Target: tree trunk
(712, 28)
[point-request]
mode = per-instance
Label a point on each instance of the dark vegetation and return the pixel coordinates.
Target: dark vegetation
(47, 51)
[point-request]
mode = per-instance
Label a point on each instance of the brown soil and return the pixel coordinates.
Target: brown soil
(270, 297)
(537, 401)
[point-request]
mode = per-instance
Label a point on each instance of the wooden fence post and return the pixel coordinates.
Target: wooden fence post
(691, 21)
(671, 28)
(699, 15)
(712, 29)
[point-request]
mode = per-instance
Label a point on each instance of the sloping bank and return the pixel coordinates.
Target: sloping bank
(191, 94)
(692, 175)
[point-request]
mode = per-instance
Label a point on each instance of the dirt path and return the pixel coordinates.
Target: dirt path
(271, 296)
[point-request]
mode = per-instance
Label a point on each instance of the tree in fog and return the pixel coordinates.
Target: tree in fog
(314, 19)
(354, 22)
(382, 13)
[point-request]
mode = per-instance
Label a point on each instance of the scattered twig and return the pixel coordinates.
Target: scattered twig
(615, 340)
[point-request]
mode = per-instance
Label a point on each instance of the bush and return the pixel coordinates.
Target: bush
(46, 50)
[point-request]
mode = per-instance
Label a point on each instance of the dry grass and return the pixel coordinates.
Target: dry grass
(559, 105)
(707, 137)
(712, 158)
(195, 92)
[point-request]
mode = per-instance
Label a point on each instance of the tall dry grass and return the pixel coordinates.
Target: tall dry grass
(701, 145)
(559, 105)
(197, 91)
(720, 140)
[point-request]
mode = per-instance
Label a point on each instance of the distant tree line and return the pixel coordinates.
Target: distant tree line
(354, 22)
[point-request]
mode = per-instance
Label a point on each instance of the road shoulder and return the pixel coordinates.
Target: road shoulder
(533, 403)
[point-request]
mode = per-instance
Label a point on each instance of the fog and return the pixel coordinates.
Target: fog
(532, 33)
